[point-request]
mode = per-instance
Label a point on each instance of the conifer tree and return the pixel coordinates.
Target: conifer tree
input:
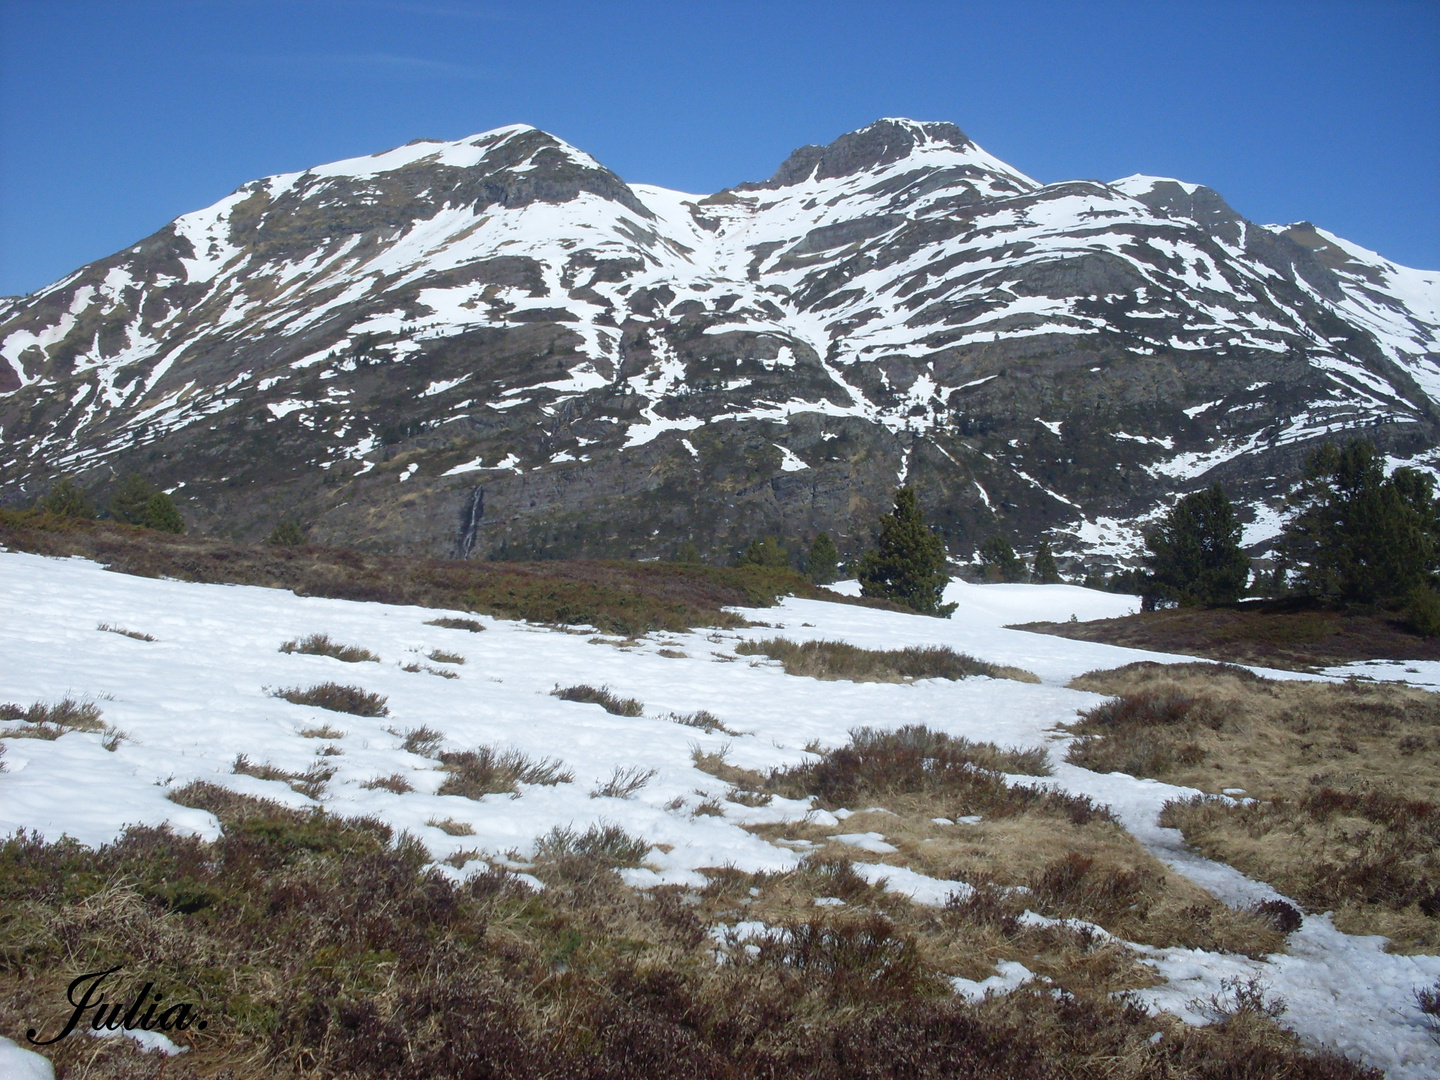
(161, 515)
(1195, 555)
(128, 503)
(822, 562)
(907, 564)
(66, 500)
(687, 552)
(1001, 562)
(1357, 535)
(1045, 571)
(766, 552)
(287, 534)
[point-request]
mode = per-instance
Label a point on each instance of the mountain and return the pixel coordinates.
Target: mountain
(498, 347)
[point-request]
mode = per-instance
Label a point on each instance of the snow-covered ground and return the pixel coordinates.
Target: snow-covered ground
(198, 696)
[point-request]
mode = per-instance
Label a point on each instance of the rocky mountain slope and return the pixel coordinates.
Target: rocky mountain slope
(498, 347)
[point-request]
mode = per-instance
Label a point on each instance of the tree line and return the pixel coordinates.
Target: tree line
(1355, 536)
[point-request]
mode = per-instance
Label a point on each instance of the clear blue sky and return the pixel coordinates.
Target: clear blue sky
(118, 115)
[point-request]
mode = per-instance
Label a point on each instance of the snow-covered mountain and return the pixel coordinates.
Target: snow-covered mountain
(497, 346)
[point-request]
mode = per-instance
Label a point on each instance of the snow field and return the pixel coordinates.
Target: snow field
(200, 695)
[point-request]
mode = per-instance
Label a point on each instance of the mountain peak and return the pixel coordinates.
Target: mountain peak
(884, 143)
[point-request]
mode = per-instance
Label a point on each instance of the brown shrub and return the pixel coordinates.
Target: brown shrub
(472, 625)
(840, 660)
(337, 698)
(477, 773)
(321, 645)
(602, 696)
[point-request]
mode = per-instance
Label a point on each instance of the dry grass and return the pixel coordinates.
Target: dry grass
(627, 598)
(311, 783)
(331, 951)
(703, 719)
(841, 660)
(1346, 778)
(110, 628)
(415, 667)
(472, 625)
(49, 722)
(602, 696)
(321, 645)
(397, 782)
(451, 827)
(324, 731)
(624, 782)
(1294, 634)
(440, 656)
(337, 698)
(423, 740)
(1073, 856)
(474, 774)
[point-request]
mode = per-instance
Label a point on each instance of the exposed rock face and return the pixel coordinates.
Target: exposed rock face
(497, 347)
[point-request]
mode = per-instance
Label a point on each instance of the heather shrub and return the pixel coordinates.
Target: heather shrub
(602, 696)
(337, 698)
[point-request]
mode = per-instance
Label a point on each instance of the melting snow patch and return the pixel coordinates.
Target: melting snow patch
(1010, 975)
(789, 461)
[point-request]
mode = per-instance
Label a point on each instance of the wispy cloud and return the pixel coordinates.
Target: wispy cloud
(352, 64)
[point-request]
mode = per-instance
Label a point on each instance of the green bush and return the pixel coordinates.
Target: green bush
(766, 552)
(286, 534)
(66, 500)
(130, 499)
(1422, 611)
(161, 515)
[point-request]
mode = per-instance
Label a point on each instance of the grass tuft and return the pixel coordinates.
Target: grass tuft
(602, 696)
(396, 782)
(110, 628)
(310, 783)
(840, 660)
(423, 741)
(472, 625)
(703, 719)
(451, 827)
(442, 657)
(321, 645)
(49, 722)
(624, 782)
(337, 698)
(609, 844)
(474, 774)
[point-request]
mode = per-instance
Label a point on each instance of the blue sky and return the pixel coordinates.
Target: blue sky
(117, 116)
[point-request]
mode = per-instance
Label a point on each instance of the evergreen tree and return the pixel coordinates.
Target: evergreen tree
(1001, 562)
(822, 563)
(1045, 571)
(128, 503)
(1357, 535)
(161, 515)
(1195, 555)
(286, 534)
(766, 552)
(66, 500)
(687, 552)
(908, 562)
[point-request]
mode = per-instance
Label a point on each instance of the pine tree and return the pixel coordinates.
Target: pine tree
(766, 552)
(908, 562)
(1195, 555)
(128, 503)
(1357, 535)
(66, 500)
(287, 534)
(1045, 570)
(822, 563)
(1001, 562)
(161, 515)
(687, 552)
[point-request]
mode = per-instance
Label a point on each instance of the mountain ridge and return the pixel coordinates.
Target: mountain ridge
(497, 346)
